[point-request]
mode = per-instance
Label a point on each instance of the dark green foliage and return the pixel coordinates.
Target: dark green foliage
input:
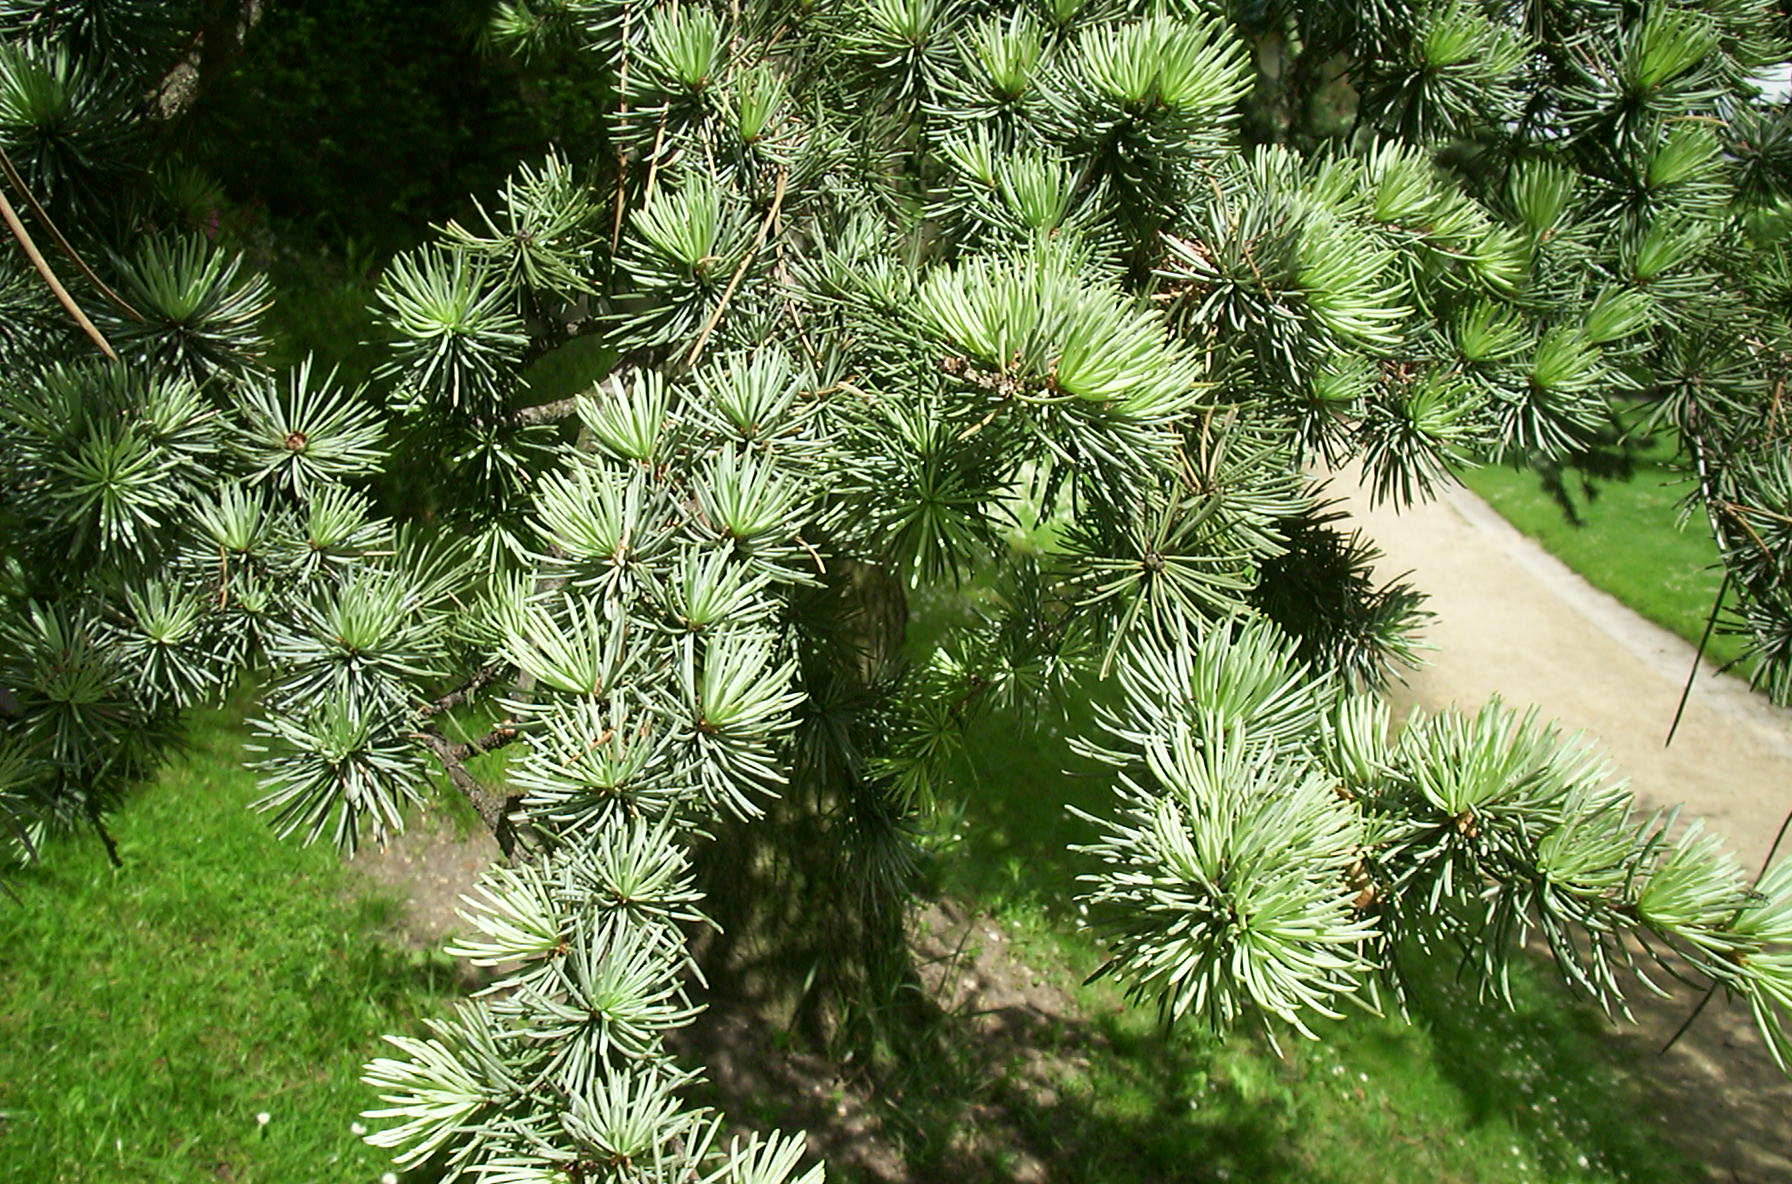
(142, 37)
(65, 123)
(366, 119)
(1323, 592)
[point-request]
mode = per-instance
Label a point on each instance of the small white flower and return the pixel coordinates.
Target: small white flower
(357, 1129)
(389, 1178)
(262, 1118)
(1581, 1160)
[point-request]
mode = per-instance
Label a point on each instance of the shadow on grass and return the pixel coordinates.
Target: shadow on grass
(1016, 1081)
(1467, 1091)
(1550, 1068)
(1013, 1094)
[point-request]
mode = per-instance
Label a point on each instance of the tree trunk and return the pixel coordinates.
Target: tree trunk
(812, 899)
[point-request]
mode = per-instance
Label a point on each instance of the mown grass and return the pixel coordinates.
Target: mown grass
(1632, 539)
(149, 1014)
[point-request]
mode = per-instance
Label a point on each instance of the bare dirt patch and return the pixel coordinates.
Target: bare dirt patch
(996, 1047)
(995, 1053)
(427, 870)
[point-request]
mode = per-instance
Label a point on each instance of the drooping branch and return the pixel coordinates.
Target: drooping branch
(49, 224)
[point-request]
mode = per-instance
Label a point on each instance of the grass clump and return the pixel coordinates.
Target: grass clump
(152, 1014)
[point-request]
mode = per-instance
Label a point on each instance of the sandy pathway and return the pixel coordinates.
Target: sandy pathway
(1513, 621)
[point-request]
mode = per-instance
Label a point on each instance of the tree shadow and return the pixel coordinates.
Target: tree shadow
(1004, 1083)
(1716, 1095)
(1546, 1076)
(1548, 1068)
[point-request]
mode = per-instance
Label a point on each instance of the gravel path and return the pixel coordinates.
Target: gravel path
(1513, 621)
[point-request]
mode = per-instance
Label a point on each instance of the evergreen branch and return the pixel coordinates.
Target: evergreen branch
(628, 15)
(564, 409)
(1736, 514)
(1711, 991)
(464, 692)
(560, 334)
(499, 737)
(746, 261)
(545, 413)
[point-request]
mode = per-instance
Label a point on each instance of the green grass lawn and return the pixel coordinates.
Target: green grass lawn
(148, 1015)
(1630, 542)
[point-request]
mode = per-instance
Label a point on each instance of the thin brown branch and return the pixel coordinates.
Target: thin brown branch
(492, 806)
(715, 317)
(1734, 512)
(621, 199)
(1698, 654)
(653, 158)
(43, 219)
(478, 682)
(542, 413)
(622, 118)
(69, 306)
(499, 737)
(568, 407)
(1737, 508)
